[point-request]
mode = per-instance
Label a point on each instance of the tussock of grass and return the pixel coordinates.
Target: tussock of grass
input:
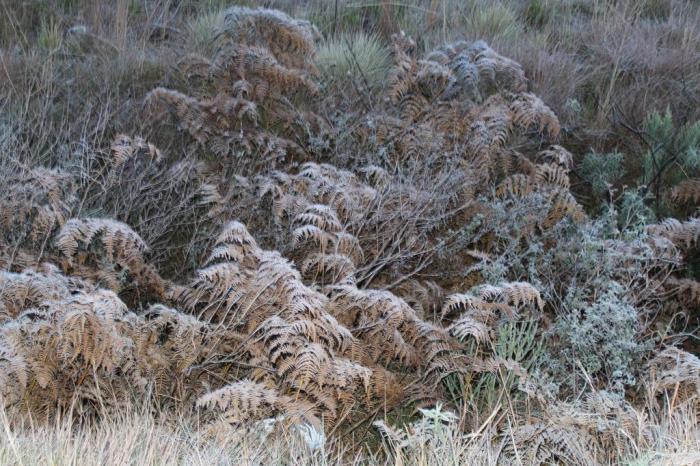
(359, 54)
(49, 37)
(495, 21)
(201, 30)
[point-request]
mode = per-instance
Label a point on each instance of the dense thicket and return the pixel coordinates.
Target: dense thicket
(280, 266)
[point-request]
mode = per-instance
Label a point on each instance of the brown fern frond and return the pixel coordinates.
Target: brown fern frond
(687, 191)
(35, 204)
(522, 293)
(233, 243)
(401, 76)
(14, 373)
(310, 363)
(328, 268)
(320, 216)
(426, 298)
(541, 444)
(348, 245)
(530, 112)
(477, 308)
(99, 249)
(290, 40)
(563, 204)
(517, 186)
(558, 155)
(498, 121)
(506, 298)
(215, 293)
(376, 317)
(432, 78)
(467, 326)
(226, 125)
(119, 239)
(210, 197)
(376, 176)
(683, 234)
(548, 174)
(85, 335)
(673, 368)
(21, 291)
(247, 401)
(259, 69)
(495, 69)
(125, 148)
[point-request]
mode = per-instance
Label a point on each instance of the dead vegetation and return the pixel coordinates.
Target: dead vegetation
(276, 265)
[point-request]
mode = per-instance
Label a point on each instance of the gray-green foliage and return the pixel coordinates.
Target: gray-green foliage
(520, 342)
(672, 151)
(602, 338)
(517, 342)
(633, 214)
(598, 321)
(602, 170)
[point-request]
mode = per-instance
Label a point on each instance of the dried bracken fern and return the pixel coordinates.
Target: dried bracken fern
(540, 444)
(245, 401)
(391, 330)
(529, 111)
(125, 148)
(312, 355)
(687, 192)
(22, 291)
(36, 203)
(104, 250)
(677, 373)
(262, 57)
(256, 73)
(461, 95)
(86, 350)
(683, 234)
(290, 40)
(400, 259)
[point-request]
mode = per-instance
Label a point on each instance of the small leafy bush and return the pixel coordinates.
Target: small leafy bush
(600, 338)
(602, 170)
(672, 151)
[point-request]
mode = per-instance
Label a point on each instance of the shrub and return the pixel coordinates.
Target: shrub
(601, 171)
(633, 213)
(349, 226)
(600, 338)
(672, 151)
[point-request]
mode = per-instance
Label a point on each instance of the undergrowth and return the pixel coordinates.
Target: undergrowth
(253, 236)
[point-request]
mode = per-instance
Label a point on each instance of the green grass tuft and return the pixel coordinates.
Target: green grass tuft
(359, 54)
(201, 31)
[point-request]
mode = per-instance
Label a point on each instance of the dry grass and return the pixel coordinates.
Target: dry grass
(136, 437)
